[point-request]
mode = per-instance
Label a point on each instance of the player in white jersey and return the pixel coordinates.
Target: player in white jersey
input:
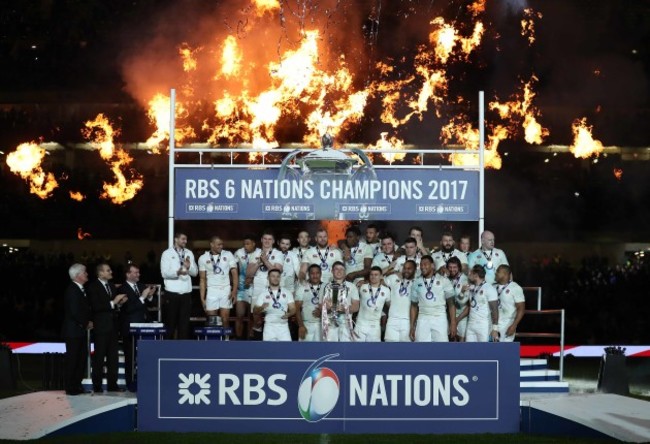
(372, 239)
(447, 251)
(460, 283)
(464, 246)
(356, 255)
(265, 259)
(484, 306)
(431, 297)
(278, 305)
(373, 295)
(385, 258)
(308, 298)
(398, 326)
(340, 300)
(243, 257)
(410, 252)
(512, 304)
(262, 261)
(218, 279)
(415, 232)
(300, 251)
(323, 255)
(290, 264)
(488, 256)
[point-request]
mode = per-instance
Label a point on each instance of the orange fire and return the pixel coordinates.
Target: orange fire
(522, 107)
(264, 6)
(188, 56)
(231, 58)
(101, 135)
(335, 229)
(81, 234)
(77, 195)
(26, 162)
(460, 131)
(528, 24)
(159, 113)
(584, 145)
(618, 173)
(386, 143)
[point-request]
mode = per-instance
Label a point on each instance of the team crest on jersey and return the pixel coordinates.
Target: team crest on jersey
(481, 292)
(507, 291)
(437, 282)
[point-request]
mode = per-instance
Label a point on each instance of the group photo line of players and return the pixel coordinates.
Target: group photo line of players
(354, 289)
(358, 288)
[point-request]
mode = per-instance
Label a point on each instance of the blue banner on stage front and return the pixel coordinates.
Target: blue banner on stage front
(268, 194)
(328, 387)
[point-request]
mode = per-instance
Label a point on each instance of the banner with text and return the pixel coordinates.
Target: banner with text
(212, 386)
(386, 194)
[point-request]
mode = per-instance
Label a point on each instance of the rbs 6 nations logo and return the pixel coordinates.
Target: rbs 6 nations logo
(319, 391)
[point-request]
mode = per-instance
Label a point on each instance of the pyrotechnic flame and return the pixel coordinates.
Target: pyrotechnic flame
(460, 131)
(188, 56)
(528, 24)
(76, 195)
(522, 107)
(335, 229)
(477, 8)
(618, 173)
(584, 145)
(81, 234)
(386, 143)
(231, 59)
(445, 37)
(100, 133)
(264, 6)
(159, 113)
(26, 162)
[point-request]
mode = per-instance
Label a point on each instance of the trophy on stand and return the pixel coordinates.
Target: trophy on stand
(334, 313)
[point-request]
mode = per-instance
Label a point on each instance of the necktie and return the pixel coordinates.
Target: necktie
(108, 289)
(136, 290)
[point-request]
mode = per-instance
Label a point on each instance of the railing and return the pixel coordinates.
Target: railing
(539, 311)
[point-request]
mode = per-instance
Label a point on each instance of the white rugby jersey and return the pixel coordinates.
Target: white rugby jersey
(325, 258)
(217, 267)
(400, 297)
(509, 295)
(431, 295)
(278, 301)
(480, 296)
(440, 258)
(310, 295)
(371, 302)
(490, 260)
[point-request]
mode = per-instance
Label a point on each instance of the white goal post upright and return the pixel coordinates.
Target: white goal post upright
(172, 157)
(481, 156)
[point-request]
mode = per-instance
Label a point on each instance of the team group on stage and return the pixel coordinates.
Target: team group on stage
(352, 290)
(349, 290)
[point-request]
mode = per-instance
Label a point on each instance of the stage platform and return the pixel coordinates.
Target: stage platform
(596, 415)
(53, 413)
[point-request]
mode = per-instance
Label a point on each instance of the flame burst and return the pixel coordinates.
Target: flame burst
(264, 6)
(81, 234)
(618, 173)
(77, 195)
(26, 162)
(522, 107)
(584, 145)
(100, 133)
(528, 24)
(386, 143)
(335, 229)
(460, 131)
(188, 57)
(159, 113)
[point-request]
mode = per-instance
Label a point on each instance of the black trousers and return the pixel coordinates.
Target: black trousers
(176, 314)
(76, 354)
(105, 350)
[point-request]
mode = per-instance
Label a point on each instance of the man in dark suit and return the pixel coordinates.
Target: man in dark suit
(135, 309)
(76, 322)
(104, 302)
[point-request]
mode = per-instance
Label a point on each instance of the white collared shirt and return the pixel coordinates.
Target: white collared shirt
(170, 262)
